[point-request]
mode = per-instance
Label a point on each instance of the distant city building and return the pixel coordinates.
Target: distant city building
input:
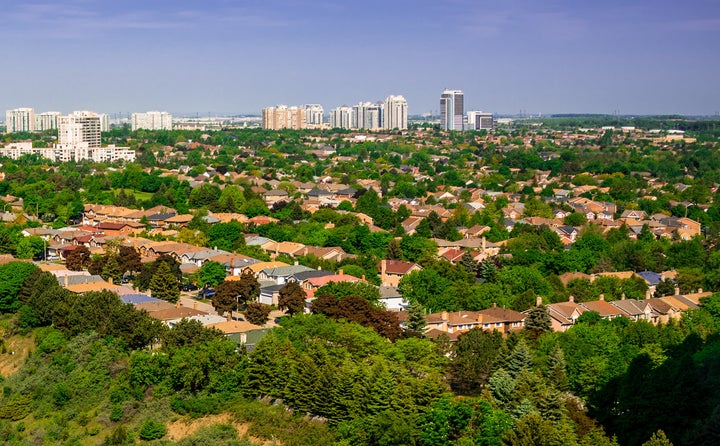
(47, 121)
(452, 110)
(283, 117)
(478, 120)
(368, 115)
(152, 120)
(341, 117)
(396, 113)
(314, 115)
(20, 120)
(68, 153)
(79, 128)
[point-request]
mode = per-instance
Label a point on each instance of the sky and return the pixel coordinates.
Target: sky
(216, 57)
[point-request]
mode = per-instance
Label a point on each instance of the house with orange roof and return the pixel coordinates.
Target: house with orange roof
(391, 271)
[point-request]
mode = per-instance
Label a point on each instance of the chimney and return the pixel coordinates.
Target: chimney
(699, 290)
(494, 304)
(215, 248)
(444, 316)
(318, 268)
(296, 263)
(677, 290)
(571, 299)
(538, 301)
(602, 297)
(648, 295)
(622, 296)
(340, 271)
(177, 305)
(484, 245)
(66, 280)
(229, 316)
(110, 280)
(194, 305)
(383, 267)
(363, 278)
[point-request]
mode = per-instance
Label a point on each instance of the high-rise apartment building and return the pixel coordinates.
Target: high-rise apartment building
(20, 120)
(368, 115)
(283, 117)
(314, 115)
(341, 117)
(80, 127)
(478, 120)
(396, 113)
(152, 120)
(452, 110)
(46, 121)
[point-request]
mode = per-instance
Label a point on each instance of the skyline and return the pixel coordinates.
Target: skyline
(220, 56)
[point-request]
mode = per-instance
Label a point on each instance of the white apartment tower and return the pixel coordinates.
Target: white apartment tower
(79, 128)
(478, 120)
(341, 117)
(396, 113)
(46, 121)
(368, 115)
(452, 110)
(152, 120)
(20, 120)
(314, 115)
(283, 117)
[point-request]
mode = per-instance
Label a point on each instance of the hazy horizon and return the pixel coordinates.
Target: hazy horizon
(184, 57)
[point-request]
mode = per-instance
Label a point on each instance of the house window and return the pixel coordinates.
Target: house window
(498, 325)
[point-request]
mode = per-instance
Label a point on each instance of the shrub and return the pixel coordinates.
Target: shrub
(152, 430)
(116, 413)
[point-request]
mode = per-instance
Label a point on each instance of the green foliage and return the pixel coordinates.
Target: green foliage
(152, 430)
(210, 274)
(164, 284)
(12, 276)
(340, 290)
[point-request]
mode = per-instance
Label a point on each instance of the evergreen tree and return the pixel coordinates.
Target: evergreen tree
(557, 371)
(487, 271)
(468, 263)
(520, 359)
(416, 318)
(394, 252)
(538, 322)
(164, 285)
(111, 270)
(659, 439)
(7, 245)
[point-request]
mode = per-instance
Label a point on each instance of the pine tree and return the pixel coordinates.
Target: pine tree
(468, 263)
(538, 322)
(520, 359)
(164, 284)
(416, 318)
(394, 252)
(487, 271)
(658, 439)
(557, 372)
(111, 269)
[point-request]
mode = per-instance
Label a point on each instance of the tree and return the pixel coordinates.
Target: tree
(538, 322)
(226, 296)
(468, 263)
(12, 276)
(129, 259)
(164, 285)
(257, 313)
(210, 274)
(111, 270)
(658, 439)
(394, 252)
(665, 288)
(472, 360)
(249, 288)
(416, 318)
(343, 289)
(575, 219)
(291, 298)
(78, 258)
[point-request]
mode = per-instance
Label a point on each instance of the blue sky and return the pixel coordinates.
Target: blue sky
(223, 56)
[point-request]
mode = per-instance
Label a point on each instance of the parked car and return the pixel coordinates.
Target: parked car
(189, 287)
(206, 293)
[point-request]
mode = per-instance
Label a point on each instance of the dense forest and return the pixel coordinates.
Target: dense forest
(102, 372)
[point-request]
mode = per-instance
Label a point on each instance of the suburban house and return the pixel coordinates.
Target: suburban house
(455, 323)
(391, 271)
